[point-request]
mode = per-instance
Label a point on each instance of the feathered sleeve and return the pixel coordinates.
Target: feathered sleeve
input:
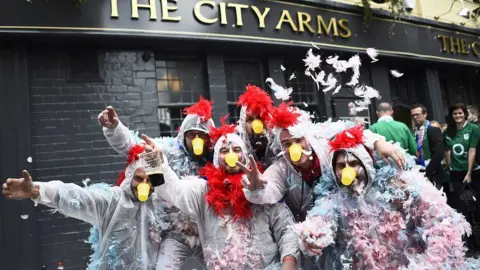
(319, 229)
(440, 227)
(276, 186)
(88, 204)
(187, 194)
(370, 138)
(121, 139)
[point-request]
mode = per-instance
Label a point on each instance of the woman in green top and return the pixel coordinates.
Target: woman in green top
(461, 138)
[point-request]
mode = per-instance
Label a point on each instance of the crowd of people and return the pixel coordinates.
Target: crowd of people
(448, 153)
(277, 191)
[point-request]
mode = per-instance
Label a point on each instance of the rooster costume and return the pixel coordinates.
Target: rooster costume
(256, 104)
(385, 220)
(234, 233)
(284, 180)
(181, 242)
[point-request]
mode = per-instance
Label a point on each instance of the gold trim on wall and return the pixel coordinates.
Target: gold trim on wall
(177, 33)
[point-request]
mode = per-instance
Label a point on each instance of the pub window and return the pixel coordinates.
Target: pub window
(84, 66)
(238, 74)
(305, 94)
(180, 82)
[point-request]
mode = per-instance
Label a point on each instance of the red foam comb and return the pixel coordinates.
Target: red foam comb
(285, 116)
(203, 108)
(347, 139)
(132, 156)
(257, 101)
(223, 130)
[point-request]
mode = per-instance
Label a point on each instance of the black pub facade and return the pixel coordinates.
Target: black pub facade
(60, 65)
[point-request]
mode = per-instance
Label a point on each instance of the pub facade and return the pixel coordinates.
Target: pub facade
(61, 64)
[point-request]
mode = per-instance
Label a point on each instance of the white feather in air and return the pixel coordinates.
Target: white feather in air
(354, 63)
(395, 73)
(373, 53)
(339, 87)
(282, 68)
(292, 77)
(312, 61)
(279, 91)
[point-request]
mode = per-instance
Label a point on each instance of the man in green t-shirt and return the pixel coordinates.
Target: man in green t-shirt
(465, 139)
(393, 130)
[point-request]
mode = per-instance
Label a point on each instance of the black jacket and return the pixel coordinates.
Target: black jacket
(434, 170)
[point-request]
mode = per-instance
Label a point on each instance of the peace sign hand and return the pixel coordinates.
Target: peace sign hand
(252, 179)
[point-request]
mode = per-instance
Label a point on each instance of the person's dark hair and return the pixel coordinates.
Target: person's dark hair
(421, 106)
(452, 127)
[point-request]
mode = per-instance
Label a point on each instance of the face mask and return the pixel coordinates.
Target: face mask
(197, 145)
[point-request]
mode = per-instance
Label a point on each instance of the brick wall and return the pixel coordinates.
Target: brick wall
(68, 143)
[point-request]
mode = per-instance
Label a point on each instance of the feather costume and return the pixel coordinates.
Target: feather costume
(234, 233)
(398, 221)
(182, 240)
(256, 102)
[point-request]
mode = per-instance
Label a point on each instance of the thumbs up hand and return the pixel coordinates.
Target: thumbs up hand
(19, 188)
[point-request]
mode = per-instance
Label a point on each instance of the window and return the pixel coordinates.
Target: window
(305, 94)
(238, 75)
(179, 84)
(84, 66)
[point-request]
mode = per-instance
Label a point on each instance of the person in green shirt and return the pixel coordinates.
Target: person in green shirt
(393, 130)
(461, 138)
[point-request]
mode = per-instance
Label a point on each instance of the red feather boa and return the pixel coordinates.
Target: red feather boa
(203, 108)
(221, 196)
(132, 156)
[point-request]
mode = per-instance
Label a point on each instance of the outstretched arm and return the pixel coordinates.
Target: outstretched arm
(86, 204)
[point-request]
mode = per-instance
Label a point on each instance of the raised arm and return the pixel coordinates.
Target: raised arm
(267, 188)
(120, 138)
(86, 204)
(186, 194)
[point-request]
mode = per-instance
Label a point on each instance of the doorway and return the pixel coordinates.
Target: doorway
(402, 114)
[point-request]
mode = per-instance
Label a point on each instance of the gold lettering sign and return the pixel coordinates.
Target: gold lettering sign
(455, 45)
(212, 12)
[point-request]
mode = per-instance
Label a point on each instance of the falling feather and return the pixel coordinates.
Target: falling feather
(330, 83)
(24, 216)
(279, 91)
(395, 73)
(354, 63)
(292, 77)
(282, 68)
(373, 53)
(86, 181)
(312, 61)
(29, 159)
(315, 46)
(337, 89)
(305, 104)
